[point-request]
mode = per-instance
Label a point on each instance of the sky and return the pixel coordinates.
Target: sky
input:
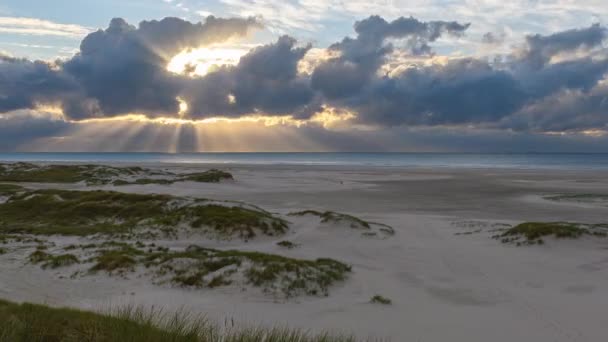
(306, 75)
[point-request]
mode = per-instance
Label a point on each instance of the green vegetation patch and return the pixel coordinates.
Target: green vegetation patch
(373, 228)
(9, 189)
(78, 212)
(378, 299)
(91, 174)
(209, 176)
(533, 232)
(82, 213)
(52, 261)
(240, 221)
(209, 268)
(101, 174)
(331, 216)
(287, 244)
(30, 322)
(143, 181)
(582, 198)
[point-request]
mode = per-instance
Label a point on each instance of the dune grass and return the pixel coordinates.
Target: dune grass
(91, 174)
(287, 244)
(101, 175)
(352, 221)
(583, 198)
(65, 212)
(52, 261)
(209, 268)
(9, 189)
(331, 216)
(32, 322)
(378, 299)
(533, 232)
(83, 213)
(209, 176)
(143, 181)
(240, 221)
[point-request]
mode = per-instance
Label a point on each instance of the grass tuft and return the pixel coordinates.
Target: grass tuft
(378, 299)
(100, 174)
(209, 268)
(372, 228)
(210, 176)
(64, 212)
(531, 233)
(10, 189)
(287, 244)
(584, 198)
(52, 261)
(331, 216)
(32, 322)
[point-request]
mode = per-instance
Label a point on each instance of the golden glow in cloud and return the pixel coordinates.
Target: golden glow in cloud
(199, 62)
(329, 118)
(140, 133)
(183, 106)
(595, 132)
(314, 57)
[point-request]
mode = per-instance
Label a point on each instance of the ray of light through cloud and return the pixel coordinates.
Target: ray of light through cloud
(306, 75)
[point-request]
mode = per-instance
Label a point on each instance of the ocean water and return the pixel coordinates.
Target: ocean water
(457, 160)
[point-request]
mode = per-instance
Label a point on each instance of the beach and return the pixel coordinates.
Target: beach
(446, 277)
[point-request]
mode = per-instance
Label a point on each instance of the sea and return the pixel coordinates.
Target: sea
(568, 161)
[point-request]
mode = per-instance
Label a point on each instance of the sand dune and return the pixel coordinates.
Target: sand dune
(446, 277)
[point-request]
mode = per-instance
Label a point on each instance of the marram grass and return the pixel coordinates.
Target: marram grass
(64, 212)
(40, 323)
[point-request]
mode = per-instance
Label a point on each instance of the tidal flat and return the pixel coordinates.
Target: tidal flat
(354, 253)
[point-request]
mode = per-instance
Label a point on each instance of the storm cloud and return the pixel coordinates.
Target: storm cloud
(119, 70)
(360, 57)
(550, 83)
(266, 80)
(477, 91)
(540, 49)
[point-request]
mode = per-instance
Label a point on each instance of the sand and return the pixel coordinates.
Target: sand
(444, 285)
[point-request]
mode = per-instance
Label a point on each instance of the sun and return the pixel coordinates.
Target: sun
(199, 62)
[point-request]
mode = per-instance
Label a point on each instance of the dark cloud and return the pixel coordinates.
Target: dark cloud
(22, 127)
(360, 57)
(471, 91)
(264, 81)
(462, 91)
(172, 35)
(123, 69)
(23, 84)
(540, 49)
(566, 110)
(23, 131)
(119, 70)
(553, 83)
